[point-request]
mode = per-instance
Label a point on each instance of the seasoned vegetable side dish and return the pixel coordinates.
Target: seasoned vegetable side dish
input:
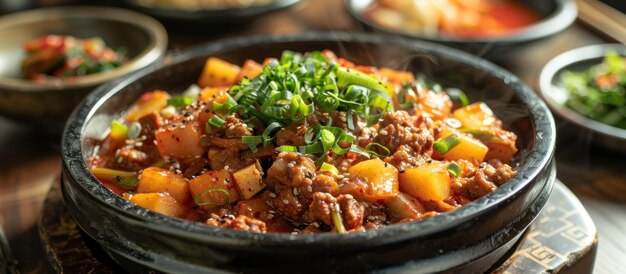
(305, 143)
(455, 18)
(600, 91)
(67, 57)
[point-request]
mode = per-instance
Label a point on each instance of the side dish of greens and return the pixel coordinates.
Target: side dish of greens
(600, 91)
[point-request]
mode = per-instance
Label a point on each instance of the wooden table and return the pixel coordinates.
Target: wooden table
(30, 162)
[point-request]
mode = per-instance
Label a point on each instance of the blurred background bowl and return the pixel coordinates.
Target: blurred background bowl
(557, 15)
(552, 90)
(47, 105)
(203, 20)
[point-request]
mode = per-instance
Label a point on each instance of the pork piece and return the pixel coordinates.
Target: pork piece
(241, 222)
(323, 204)
(149, 124)
(232, 128)
(234, 158)
(352, 212)
(292, 169)
(292, 135)
(485, 180)
(289, 202)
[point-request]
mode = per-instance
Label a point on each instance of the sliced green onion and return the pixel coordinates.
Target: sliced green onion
(180, 101)
(252, 142)
(443, 145)
(480, 134)
(328, 167)
(374, 148)
(222, 190)
(125, 179)
(454, 170)
(456, 95)
(216, 121)
(288, 149)
(337, 221)
(225, 107)
(119, 130)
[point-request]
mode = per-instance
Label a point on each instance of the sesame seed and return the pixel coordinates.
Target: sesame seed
(383, 132)
(315, 224)
(291, 164)
(309, 188)
(285, 201)
(343, 119)
(295, 191)
(272, 195)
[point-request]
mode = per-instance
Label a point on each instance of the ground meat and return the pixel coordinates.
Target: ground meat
(150, 123)
(292, 135)
(405, 157)
(325, 183)
(352, 211)
(485, 180)
(241, 222)
(292, 169)
(503, 172)
(407, 135)
(375, 216)
(321, 208)
(130, 158)
(195, 167)
(287, 203)
(233, 128)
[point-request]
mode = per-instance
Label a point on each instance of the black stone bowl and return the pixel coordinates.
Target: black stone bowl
(557, 15)
(47, 105)
(471, 238)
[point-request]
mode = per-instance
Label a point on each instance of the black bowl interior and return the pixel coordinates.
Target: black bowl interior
(520, 109)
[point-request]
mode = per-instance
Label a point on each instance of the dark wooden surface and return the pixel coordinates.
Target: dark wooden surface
(29, 162)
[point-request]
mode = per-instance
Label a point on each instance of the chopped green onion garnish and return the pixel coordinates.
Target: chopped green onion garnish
(119, 130)
(328, 167)
(443, 145)
(454, 170)
(125, 179)
(337, 221)
(216, 121)
(480, 134)
(180, 101)
(458, 96)
(225, 107)
(288, 149)
(226, 200)
(377, 150)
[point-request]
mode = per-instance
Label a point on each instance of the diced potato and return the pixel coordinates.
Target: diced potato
(159, 202)
(180, 141)
(155, 180)
(220, 181)
(427, 183)
(209, 94)
(147, 103)
(381, 177)
(249, 180)
(475, 116)
(403, 206)
(396, 76)
(218, 73)
(468, 148)
(438, 105)
(502, 149)
(250, 69)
